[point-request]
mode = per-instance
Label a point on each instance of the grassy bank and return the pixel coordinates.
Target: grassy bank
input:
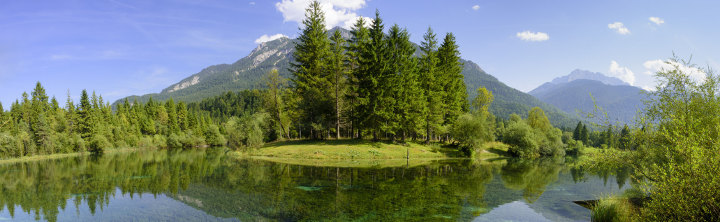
(59, 156)
(353, 150)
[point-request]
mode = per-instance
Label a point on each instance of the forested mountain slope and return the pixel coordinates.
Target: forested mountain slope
(247, 72)
(620, 102)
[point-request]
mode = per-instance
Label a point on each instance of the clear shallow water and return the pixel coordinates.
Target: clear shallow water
(206, 185)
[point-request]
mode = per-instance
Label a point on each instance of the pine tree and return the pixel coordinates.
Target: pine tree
(430, 85)
(452, 80)
(356, 47)
(172, 116)
(338, 70)
(84, 116)
(577, 132)
(404, 83)
(625, 138)
(585, 135)
(182, 116)
(309, 69)
(372, 67)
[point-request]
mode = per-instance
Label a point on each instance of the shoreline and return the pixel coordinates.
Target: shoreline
(62, 155)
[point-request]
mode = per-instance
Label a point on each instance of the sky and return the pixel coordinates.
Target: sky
(120, 48)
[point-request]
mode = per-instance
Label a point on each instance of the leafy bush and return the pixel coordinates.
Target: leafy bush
(98, 143)
(472, 131)
(213, 137)
(522, 140)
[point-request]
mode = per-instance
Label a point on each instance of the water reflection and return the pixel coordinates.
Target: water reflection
(208, 185)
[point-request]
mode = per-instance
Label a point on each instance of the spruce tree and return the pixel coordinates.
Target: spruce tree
(430, 85)
(404, 83)
(338, 70)
(84, 116)
(577, 131)
(451, 79)
(625, 138)
(172, 116)
(372, 67)
(309, 69)
(356, 47)
(585, 135)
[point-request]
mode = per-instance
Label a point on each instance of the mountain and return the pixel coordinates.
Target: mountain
(574, 94)
(247, 72)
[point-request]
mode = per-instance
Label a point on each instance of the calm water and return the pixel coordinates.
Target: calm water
(206, 185)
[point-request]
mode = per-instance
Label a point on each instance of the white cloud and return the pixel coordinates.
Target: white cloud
(657, 21)
(350, 23)
(337, 12)
(266, 38)
(654, 66)
(622, 73)
(533, 36)
(476, 7)
(619, 27)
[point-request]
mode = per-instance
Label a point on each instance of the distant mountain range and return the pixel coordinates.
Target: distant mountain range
(575, 92)
(246, 73)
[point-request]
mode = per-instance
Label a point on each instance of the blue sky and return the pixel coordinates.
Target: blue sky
(120, 48)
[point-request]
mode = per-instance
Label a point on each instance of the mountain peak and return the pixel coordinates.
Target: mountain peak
(588, 75)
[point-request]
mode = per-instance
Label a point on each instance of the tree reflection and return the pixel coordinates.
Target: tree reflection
(249, 189)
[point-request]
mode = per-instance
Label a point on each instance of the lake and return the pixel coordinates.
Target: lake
(207, 185)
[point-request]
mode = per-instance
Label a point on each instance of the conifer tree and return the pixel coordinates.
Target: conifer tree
(172, 116)
(309, 69)
(577, 132)
(356, 47)
(625, 138)
(585, 135)
(451, 79)
(404, 83)
(338, 70)
(182, 116)
(373, 66)
(84, 116)
(431, 87)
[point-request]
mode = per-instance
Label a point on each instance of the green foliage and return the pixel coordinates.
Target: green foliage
(533, 137)
(246, 132)
(681, 155)
(98, 143)
(610, 210)
(472, 131)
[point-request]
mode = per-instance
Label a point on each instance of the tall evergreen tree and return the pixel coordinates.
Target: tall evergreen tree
(625, 138)
(451, 79)
(430, 85)
(577, 132)
(585, 135)
(356, 47)
(373, 67)
(403, 83)
(84, 116)
(338, 70)
(309, 69)
(172, 116)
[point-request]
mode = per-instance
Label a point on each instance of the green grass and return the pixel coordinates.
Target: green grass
(58, 156)
(493, 150)
(354, 150)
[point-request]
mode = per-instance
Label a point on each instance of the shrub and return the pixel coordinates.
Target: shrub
(98, 143)
(472, 131)
(522, 140)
